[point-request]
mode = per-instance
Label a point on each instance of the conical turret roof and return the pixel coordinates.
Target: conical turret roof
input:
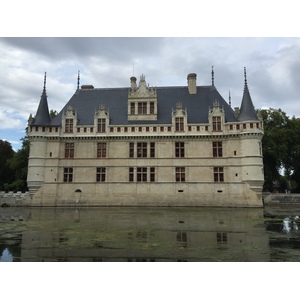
(247, 110)
(42, 116)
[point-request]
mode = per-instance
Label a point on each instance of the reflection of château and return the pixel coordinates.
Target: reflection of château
(140, 234)
(144, 146)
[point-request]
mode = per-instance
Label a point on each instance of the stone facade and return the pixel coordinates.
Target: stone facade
(140, 146)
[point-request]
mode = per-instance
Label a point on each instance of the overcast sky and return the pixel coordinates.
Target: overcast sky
(273, 67)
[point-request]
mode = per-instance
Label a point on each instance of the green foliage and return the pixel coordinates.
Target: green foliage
(281, 150)
(6, 153)
(16, 166)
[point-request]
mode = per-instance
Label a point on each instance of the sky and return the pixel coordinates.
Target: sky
(109, 57)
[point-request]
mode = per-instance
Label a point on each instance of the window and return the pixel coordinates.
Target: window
(221, 237)
(68, 174)
(179, 149)
(100, 174)
(151, 108)
(152, 174)
(218, 174)
(152, 150)
(101, 150)
(141, 174)
(131, 150)
(238, 126)
(216, 123)
(69, 150)
(217, 149)
(131, 174)
(141, 149)
(182, 238)
(180, 174)
(244, 126)
(69, 125)
(101, 125)
(142, 108)
(179, 124)
(132, 108)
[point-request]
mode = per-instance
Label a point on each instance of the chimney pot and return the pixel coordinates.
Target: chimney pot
(192, 86)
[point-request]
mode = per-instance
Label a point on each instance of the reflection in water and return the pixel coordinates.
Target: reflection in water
(6, 256)
(139, 234)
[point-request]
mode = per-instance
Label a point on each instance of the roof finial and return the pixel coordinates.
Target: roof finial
(245, 75)
(44, 89)
(212, 76)
(229, 99)
(78, 80)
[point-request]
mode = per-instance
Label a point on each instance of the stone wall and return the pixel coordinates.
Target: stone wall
(14, 199)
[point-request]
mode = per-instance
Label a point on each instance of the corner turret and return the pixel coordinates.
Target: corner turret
(247, 110)
(42, 116)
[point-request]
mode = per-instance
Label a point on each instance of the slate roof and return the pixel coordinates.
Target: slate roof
(42, 117)
(87, 101)
(247, 110)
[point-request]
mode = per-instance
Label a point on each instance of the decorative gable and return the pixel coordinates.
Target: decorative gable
(142, 101)
(216, 117)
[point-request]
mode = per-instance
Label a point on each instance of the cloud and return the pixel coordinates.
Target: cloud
(272, 69)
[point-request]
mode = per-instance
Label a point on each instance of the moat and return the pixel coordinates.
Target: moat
(131, 234)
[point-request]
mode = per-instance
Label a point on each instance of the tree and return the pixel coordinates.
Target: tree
(18, 165)
(281, 149)
(6, 153)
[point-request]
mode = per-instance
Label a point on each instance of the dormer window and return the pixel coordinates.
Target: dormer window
(101, 119)
(69, 125)
(179, 124)
(179, 118)
(216, 123)
(142, 108)
(101, 125)
(69, 120)
(142, 101)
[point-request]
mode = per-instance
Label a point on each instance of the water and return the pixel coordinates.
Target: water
(125, 234)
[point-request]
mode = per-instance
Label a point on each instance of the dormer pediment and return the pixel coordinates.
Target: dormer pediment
(142, 101)
(142, 91)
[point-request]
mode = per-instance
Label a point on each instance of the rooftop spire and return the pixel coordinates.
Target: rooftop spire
(245, 75)
(247, 110)
(42, 116)
(78, 80)
(229, 99)
(44, 89)
(212, 76)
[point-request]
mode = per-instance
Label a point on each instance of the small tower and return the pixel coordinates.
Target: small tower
(42, 116)
(247, 111)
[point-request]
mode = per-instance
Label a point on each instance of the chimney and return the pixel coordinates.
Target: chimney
(236, 111)
(192, 83)
(133, 82)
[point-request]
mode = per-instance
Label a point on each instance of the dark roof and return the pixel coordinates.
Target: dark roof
(42, 116)
(87, 101)
(247, 110)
